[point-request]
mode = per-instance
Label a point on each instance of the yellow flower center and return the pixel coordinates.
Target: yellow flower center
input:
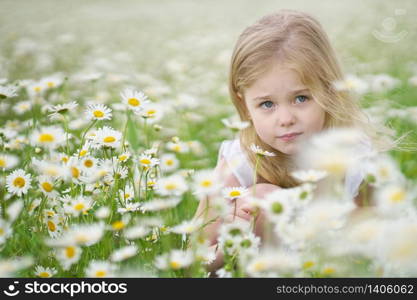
(206, 183)
(81, 238)
(122, 157)
(51, 226)
(127, 196)
(88, 163)
(118, 225)
(151, 112)
(83, 152)
(384, 172)
(133, 102)
(79, 206)
(171, 186)
(1, 231)
(109, 139)
(259, 266)
(75, 172)
(64, 159)
(235, 193)
(47, 187)
(2, 162)
(100, 273)
(145, 161)
(70, 252)
(169, 162)
(19, 182)
(177, 148)
(98, 114)
(46, 138)
(397, 197)
(308, 264)
(329, 270)
(44, 274)
(50, 84)
(37, 89)
(175, 265)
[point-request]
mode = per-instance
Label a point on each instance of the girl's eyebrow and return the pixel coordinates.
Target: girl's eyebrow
(293, 92)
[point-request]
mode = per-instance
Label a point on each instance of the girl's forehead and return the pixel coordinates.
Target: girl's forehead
(277, 80)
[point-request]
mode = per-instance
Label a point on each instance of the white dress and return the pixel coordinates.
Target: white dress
(241, 167)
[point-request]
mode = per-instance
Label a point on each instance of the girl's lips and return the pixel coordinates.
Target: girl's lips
(290, 136)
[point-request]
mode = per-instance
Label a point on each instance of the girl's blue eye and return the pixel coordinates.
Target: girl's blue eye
(268, 104)
(301, 99)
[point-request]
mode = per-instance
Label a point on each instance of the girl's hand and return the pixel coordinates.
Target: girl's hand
(246, 212)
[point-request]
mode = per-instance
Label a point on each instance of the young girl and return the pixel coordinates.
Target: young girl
(282, 76)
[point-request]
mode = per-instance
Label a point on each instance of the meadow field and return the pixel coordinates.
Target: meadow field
(111, 118)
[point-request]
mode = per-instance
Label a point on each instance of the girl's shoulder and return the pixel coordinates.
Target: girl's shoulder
(237, 161)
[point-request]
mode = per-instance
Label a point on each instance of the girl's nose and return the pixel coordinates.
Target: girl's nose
(285, 117)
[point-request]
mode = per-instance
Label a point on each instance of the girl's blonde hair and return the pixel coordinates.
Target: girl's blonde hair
(298, 41)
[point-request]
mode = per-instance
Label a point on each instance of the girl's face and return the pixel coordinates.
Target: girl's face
(282, 109)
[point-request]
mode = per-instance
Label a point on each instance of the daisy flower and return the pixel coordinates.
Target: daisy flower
(124, 253)
(22, 107)
(68, 255)
(53, 226)
(14, 209)
(159, 204)
(206, 182)
(257, 150)
(51, 137)
(134, 100)
(43, 272)
(147, 161)
(60, 109)
(393, 198)
(152, 112)
(174, 185)
(169, 162)
(8, 91)
(47, 186)
(234, 124)
(52, 81)
(187, 226)
(79, 205)
(79, 234)
(279, 204)
(89, 163)
(8, 161)
(127, 194)
(98, 112)
(129, 207)
(103, 212)
(351, 83)
(309, 175)
(136, 232)
(124, 156)
(5, 230)
(107, 137)
(273, 263)
(179, 147)
(174, 260)
(18, 182)
(235, 192)
(100, 269)
(120, 224)
(50, 169)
